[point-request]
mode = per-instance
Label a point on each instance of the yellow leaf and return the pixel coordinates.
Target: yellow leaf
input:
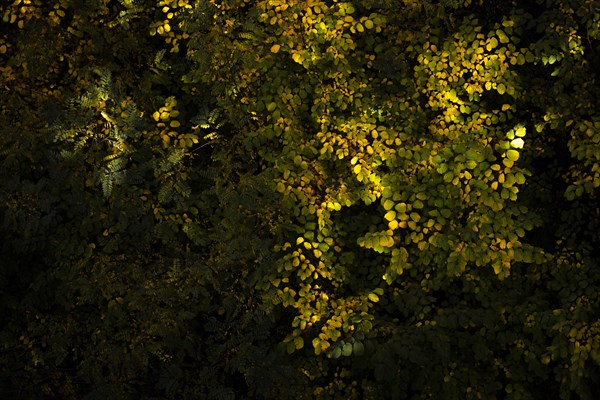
(492, 44)
(502, 36)
(275, 48)
(175, 124)
(512, 155)
(390, 215)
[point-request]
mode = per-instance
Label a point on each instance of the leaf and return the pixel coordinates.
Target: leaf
(275, 48)
(517, 143)
(298, 342)
(390, 215)
(502, 36)
(388, 204)
(492, 44)
(415, 216)
(347, 349)
(358, 348)
(336, 353)
(501, 88)
(512, 155)
(373, 297)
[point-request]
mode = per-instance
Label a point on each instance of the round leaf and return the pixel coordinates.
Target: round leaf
(512, 155)
(390, 215)
(347, 349)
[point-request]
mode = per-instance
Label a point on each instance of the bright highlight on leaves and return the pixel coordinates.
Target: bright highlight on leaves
(517, 143)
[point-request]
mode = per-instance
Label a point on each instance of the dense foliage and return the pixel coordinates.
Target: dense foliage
(367, 199)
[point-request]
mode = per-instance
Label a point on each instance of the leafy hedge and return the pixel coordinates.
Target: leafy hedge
(299, 199)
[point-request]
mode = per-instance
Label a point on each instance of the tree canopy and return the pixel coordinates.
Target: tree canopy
(260, 199)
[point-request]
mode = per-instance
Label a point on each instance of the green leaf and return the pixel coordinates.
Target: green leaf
(388, 204)
(336, 353)
(347, 350)
(358, 348)
(298, 342)
(501, 88)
